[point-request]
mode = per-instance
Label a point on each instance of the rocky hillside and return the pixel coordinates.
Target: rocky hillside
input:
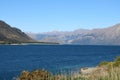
(10, 34)
(106, 36)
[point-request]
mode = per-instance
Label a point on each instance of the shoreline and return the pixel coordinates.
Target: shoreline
(34, 43)
(104, 71)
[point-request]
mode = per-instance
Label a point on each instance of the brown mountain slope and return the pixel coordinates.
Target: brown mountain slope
(10, 34)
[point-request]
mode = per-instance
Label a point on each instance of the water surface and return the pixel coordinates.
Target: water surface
(55, 58)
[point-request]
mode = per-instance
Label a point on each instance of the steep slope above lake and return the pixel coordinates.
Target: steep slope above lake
(10, 34)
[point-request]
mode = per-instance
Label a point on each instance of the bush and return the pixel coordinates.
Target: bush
(103, 63)
(117, 59)
(116, 62)
(35, 75)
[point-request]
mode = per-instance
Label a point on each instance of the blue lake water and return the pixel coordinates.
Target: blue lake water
(54, 58)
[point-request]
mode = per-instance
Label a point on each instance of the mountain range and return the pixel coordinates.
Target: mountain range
(10, 34)
(104, 36)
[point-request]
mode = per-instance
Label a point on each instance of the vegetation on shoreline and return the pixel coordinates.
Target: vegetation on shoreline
(115, 63)
(21, 43)
(104, 71)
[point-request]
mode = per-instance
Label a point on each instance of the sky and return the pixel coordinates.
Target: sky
(59, 15)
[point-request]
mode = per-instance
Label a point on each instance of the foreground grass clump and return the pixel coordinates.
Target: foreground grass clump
(35, 75)
(38, 75)
(104, 71)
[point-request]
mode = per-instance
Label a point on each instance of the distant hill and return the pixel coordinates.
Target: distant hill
(10, 34)
(105, 36)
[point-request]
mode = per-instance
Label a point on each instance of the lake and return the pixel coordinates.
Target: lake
(55, 58)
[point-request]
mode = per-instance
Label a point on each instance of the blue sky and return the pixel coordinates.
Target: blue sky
(59, 15)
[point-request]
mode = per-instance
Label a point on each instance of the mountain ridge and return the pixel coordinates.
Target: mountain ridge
(103, 36)
(10, 34)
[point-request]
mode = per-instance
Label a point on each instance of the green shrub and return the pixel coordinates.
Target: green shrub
(103, 63)
(117, 59)
(116, 62)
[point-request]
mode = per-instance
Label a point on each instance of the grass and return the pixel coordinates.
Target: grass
(105, 71)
